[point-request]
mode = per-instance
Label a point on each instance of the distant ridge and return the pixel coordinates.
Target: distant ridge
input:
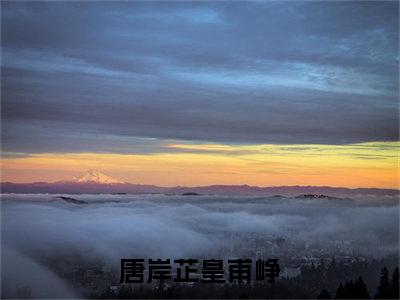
(93, 182)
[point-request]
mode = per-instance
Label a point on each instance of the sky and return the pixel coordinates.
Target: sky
(198, 93)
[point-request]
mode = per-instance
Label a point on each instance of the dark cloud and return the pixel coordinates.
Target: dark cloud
(115, 73)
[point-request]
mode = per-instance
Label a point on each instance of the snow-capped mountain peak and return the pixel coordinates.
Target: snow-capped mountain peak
(92, 176)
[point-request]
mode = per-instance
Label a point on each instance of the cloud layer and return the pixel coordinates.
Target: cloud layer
(222, 72)
(39, 228)
(111, 227)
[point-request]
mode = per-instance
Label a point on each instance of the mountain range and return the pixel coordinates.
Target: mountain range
(93, 182)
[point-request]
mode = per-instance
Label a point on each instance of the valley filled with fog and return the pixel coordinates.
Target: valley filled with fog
(41, 232)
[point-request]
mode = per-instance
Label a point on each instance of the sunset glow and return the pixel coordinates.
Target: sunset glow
(355, 165)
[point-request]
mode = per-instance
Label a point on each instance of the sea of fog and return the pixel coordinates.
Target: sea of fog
(35, 227)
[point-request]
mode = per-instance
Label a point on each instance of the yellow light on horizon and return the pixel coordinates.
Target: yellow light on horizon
(355, 165)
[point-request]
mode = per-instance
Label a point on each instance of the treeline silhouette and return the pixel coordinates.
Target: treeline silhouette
(387, 289)
(312, 283)
(330, 276)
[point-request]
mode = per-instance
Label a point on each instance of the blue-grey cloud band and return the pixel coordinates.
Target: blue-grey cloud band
(302, 72)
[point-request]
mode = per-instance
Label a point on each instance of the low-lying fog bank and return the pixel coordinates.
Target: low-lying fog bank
(110, 227)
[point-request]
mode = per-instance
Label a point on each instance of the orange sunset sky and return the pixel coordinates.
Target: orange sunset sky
(356, 165)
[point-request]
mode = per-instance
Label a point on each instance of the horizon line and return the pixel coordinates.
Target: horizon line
(203, 186)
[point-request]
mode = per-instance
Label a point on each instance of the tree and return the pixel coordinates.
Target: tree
(349, 291)
(352, 290)
(384, 288)
(340, 292)
(324, 295)
(360, 289)
(395, 284)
